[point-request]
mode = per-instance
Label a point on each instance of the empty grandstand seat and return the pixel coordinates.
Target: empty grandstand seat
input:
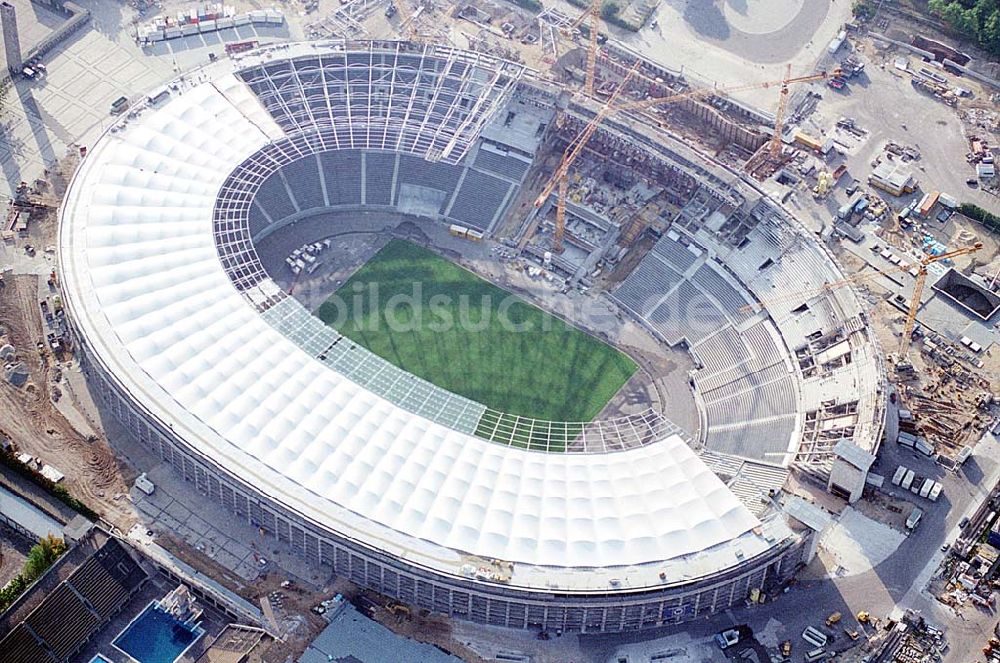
(715, 285)
(761, 341)
(303, 176)
(63, 621)
(770, 400)
(256, 218)
(721, 350)
(675, 253)
(744, 375)
(379, 167)
(697, 316)
(272, 196)
(501, 164)
(342, 173)
(437, 176)
(479, 199)
(761, 440)
(648, 283)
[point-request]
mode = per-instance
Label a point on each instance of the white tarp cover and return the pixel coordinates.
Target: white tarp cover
(143, 274)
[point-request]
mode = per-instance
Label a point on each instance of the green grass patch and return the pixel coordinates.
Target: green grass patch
(443, 323)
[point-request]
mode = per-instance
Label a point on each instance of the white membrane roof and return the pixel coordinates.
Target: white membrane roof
(145, 286)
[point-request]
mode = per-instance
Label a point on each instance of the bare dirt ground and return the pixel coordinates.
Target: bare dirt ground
(31, 420)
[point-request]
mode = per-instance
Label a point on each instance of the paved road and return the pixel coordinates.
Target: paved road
(882, 100)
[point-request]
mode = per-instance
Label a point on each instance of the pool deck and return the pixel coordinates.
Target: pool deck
(117, 643)
(211, 621)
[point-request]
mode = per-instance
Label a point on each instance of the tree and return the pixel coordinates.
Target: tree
(610, 10)
(864, 11)
(990, 34)
(42, 555)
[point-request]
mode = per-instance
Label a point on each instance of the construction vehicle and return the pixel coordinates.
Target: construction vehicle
(918, 289)
(559, 179)
(863, 617)
(852, 634)
(398, 610)
(833, 619)
(727, 638)
(786, 648)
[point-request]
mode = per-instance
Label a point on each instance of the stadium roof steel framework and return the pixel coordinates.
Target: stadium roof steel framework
(424, 99)
(157, 309)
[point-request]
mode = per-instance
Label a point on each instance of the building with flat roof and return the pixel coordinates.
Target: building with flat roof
(25, 518)
(354, 638)
(11, 41)
(850, 470)
(893, 178)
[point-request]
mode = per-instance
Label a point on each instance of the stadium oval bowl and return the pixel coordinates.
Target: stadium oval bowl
(223, 376)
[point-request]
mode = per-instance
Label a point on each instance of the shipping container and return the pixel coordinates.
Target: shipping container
(897, 478)
(809, 141)
(928, 203)
(923, 446)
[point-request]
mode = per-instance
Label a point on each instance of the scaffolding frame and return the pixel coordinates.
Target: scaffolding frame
(429, 100)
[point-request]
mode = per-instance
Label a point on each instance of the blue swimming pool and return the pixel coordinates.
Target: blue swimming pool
(101, 658)
(156, 637)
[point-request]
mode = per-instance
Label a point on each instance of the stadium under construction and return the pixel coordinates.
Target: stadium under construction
(428, 496)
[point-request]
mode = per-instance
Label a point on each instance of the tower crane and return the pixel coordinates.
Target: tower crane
(575, 148)
(918, 288)
(643, 104)
(774, 149)
(857, 279)
(595, 20)
(560, 177)
(593, 12)
(408, 20)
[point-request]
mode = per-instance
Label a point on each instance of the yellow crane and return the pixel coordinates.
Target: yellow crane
(408, 20)
(918, 289)
(595, 21)
(575, 148)
(774, 149)
(593, 12)
(858, 279)
(560, 177)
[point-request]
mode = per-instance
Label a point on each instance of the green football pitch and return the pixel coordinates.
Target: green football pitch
(443, 323)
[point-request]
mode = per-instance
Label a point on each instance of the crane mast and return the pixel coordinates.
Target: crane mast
(575, 148)
(918, 289)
